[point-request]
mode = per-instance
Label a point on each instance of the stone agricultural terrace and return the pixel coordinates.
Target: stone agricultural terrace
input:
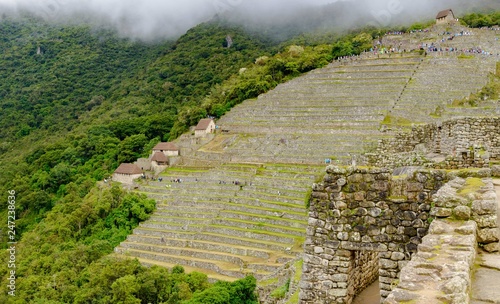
(237, 202)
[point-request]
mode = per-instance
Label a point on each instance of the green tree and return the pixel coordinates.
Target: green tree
(131, 148)
(124, 290)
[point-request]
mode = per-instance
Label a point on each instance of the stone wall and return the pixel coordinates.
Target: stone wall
(365, 270)
(441, 271)
(470, 199)
(468, 142)
(369, 211)
(460, 134)
(361, 220)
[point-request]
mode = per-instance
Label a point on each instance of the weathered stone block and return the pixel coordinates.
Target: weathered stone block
(491, 247)
(374, 212)
(337, 292)
(482, 207)
(442, 212)
(318, 250)
(455, 285)
(366, 239)
(495, 171)
(397, 256)
(487, 235)
(355, 237)
(388, 264)
(343, 236)
(485, 221)
(340, 278)
(380, 185)
(414, 187)
(462, 213)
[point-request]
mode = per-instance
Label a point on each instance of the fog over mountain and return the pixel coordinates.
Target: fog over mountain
(167, 18)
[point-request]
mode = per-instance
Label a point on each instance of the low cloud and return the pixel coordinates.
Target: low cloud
(149, 19)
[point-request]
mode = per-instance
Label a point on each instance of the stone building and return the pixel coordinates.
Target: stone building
(204, 127)
(167, 148)
(445, 16)
(126, 173)
(159, 159)
(159, 162)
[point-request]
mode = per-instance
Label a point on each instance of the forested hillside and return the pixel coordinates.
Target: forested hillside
(76, 101)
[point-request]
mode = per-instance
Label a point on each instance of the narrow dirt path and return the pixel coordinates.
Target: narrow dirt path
(371, 295)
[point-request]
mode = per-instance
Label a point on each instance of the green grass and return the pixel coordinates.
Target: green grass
(250, 207)
(267, 217)
(294, 299)
(280, 292)
(398, 121)
(225, 200)
(268, 282)
(463, 56)
(472, 184)
(262, 224)
(298, 270)
(297, 239)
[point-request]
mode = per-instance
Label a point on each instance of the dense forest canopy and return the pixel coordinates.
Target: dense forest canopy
(77, 100)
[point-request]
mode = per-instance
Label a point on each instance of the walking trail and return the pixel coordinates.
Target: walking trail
(486, 283)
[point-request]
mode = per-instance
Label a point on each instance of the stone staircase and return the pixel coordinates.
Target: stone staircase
(227, 222)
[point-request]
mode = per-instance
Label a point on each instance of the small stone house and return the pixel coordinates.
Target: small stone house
(445, 16)
(126, 173)
(167, 148)
(204, 127)
(159, 159)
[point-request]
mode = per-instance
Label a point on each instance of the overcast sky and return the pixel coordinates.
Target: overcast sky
(170, 18)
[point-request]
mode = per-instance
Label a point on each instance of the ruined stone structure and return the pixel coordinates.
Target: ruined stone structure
(442, 269)
(365, 223)
(363, 215)
(468, 142)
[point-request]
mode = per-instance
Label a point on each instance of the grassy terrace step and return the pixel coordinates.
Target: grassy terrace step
(181, 213)
(270, 236)
(337, 119)
(316, 102)
(239, 201)
(243, 261)
(220, 238)
(212, 275)
(239, 260)
(249, 203)
(250, 217)
(261, 225)
(257, 211)
(247, 186)
(186, 191)
(224, 268)
(173, 226)
(210, 246)
(221, 252)
(345, 110)
(168, 219)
